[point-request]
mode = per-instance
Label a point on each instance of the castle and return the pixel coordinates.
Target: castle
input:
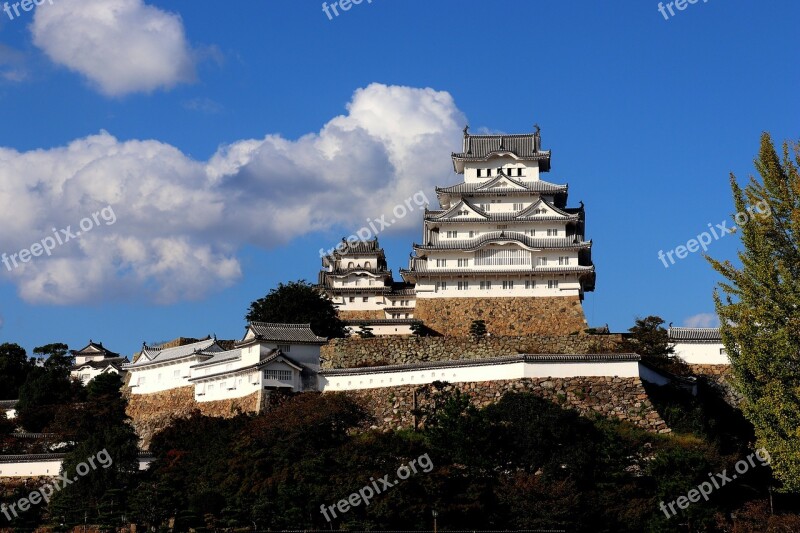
(503, 247)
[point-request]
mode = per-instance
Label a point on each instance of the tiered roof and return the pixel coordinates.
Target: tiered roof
(523, 147)
(94, 349)
(503, 185)
(355, 249)
(479, 215)
(494, 237)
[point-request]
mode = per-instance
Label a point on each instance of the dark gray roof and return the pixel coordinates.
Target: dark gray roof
(477, 189)
(8, 404)
(371, 247)
(154, 355)
(220, 357)
(711, 335)
(549, 243)
(524, 146)
(94, 348)
(481, 215)
(526, 358)
(285, 333)
(116, 362)
(532, 271)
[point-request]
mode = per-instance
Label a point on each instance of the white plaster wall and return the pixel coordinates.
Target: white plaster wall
(511, 228)
(516, 370)
(530, 170)
(46, 468)
(11, 414)
(31, 469)
(702, 353)
(532, 260)
(302, 353)
(218, 388)
(400, 329)
(168, 379)
(568, 285)
(81, 359)
(88, 374)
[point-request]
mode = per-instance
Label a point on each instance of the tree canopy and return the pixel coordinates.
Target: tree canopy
(298, 302)
(758, 304)
(14, 369)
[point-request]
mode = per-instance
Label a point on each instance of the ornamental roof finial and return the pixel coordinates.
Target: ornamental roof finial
(536, 129)
(466, 130)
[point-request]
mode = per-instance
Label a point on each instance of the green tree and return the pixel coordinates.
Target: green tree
(57, 357)
(650, 339)
(40, 396)
(759, 305)
(298, 302)
(104, 434)
(14, 369)
(478, 328)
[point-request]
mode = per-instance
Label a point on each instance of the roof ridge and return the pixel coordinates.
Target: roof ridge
(280, 324)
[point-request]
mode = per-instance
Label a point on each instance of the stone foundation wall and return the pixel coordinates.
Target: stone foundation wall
(622, 398)
(151, 413)
(373, 314)
(397, 350)
(721, 378)
(504, 316)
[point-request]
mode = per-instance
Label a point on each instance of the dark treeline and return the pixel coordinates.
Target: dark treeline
(522, 463)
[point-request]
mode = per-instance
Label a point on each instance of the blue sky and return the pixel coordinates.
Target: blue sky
(236, 139)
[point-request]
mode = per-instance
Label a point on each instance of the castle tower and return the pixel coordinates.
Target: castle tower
(355, 276)
(504, 247)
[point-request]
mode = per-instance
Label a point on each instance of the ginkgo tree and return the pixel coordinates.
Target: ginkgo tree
(758, 304)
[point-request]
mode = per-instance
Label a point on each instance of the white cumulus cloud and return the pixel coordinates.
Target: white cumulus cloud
(702, 320)
(179, 222)
(120, 46)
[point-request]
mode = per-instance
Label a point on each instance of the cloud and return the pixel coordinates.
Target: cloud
(120, 46)
(12, 65)
(180, 222)
(203, 105)
(702, 320)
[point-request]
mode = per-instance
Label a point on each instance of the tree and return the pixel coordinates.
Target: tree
(298, 302)
(57, 357)
(759, 305)
(14, 369)
(365, 331)
(102, 431)
(649, 339)
(478, 328)
(47, 388)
